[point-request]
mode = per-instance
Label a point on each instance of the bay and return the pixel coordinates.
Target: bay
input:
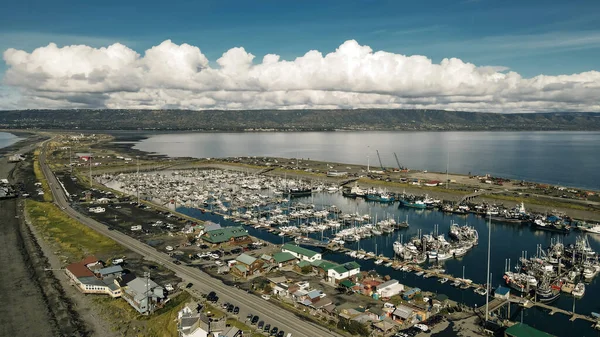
(507, 242)
(561, 158)
(7, 139)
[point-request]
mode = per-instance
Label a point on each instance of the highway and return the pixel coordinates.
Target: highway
(248, 303)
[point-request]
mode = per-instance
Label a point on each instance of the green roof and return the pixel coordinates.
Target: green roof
(283, 257)
(299, 250)
(241, 268)
(245, 259)
(325, 265)
(224, 234)
(303, 263)
(347, 283)
(340, 269)
(524, 330)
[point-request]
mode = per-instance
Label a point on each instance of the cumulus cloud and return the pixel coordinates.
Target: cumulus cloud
(353, 76)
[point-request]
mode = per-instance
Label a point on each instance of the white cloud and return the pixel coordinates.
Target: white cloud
(353, 76)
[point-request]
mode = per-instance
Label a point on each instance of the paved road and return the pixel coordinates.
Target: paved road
(269, 312)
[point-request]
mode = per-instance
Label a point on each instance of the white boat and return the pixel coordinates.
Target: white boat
(379, 262)
(420, 273)
(443, 280)
(595, 229)
(579, 290)
(480, 291)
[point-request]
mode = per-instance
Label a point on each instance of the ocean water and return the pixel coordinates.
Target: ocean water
(562, 158)
(7, 139)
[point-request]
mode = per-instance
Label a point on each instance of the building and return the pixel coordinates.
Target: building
(191, 322)
(408, 295)
(90, 283)
(227, 235)
(502, 293)
(524, 330)
(301, 253)
(143, 295)
(283, 259)
(246, 265)
(389, 288)
(342, 272)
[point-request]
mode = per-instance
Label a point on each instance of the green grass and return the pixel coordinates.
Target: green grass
(404, 185)
(72, 238)
(537, 201)
(217, 313)
(163, 322)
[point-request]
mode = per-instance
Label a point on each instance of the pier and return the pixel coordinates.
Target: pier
(347, 181)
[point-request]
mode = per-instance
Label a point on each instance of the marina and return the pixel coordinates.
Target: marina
(371, 231)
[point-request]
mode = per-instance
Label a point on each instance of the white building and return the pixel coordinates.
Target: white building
(389, 288)
(301, 253)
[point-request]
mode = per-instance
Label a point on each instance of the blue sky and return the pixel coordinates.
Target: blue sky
(530, 37)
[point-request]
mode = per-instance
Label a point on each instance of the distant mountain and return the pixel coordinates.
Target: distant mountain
(284, 120)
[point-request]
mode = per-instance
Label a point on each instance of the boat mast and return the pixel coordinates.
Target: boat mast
(487, 286)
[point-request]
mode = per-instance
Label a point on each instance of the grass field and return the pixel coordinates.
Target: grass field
(72, 238)
(537, 201)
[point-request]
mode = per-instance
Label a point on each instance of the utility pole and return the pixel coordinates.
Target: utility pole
(148, 297)
(70, 164)
(487, 297)
(447, 166)
(138, 179)
(91, 181)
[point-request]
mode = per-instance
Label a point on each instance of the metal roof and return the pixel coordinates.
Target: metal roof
(524, 330)
(299, 250)
(245, 259)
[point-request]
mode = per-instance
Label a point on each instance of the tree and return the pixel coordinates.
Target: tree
(268, 289)
(306, 269)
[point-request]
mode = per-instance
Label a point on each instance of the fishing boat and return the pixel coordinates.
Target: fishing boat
(299, 192)
(579, 290)
(419, 204)
(443, 280)
(545, 292)
(567, 287)
(380, 197)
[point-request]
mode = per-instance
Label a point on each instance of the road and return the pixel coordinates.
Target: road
(248, 303)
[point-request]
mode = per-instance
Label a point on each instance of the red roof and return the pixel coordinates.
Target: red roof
(88, 260)
(79, 270)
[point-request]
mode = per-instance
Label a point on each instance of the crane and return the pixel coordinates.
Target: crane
(397, 162)
(380, 164)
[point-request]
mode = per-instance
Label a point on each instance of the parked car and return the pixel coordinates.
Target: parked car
(261, 324)
(255, 319)
(267, 327)
(274, 331)
(266, 297)
(281, 333)
(189, 285)
(236, 310)
(230, 308)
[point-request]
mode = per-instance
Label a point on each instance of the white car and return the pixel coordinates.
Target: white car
(422, 327)
(219, 263)
(266, 297)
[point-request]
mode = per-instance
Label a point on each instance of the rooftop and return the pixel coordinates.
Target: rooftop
(79, 270)
(299, 250)
(224, 234)
(245, 259)
(281, 257)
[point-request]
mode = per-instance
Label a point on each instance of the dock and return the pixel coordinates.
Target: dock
(347, 181)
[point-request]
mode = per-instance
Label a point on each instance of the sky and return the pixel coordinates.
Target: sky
(475, 55)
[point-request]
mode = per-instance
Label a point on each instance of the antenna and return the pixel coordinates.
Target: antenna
(487, 297)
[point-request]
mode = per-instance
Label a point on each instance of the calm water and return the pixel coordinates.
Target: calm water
(564, 158)
(7, 139)
(507, 242)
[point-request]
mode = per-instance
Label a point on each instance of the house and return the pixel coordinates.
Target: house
(283, 259)
(408, 295)
(389, 288)
(502, 293)
(301, 253)
(246, 265)
(403, 313)
(191, 322)
(87, 282)
(524, 330)
(227, 235)
(342, 272)
(143, 295)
